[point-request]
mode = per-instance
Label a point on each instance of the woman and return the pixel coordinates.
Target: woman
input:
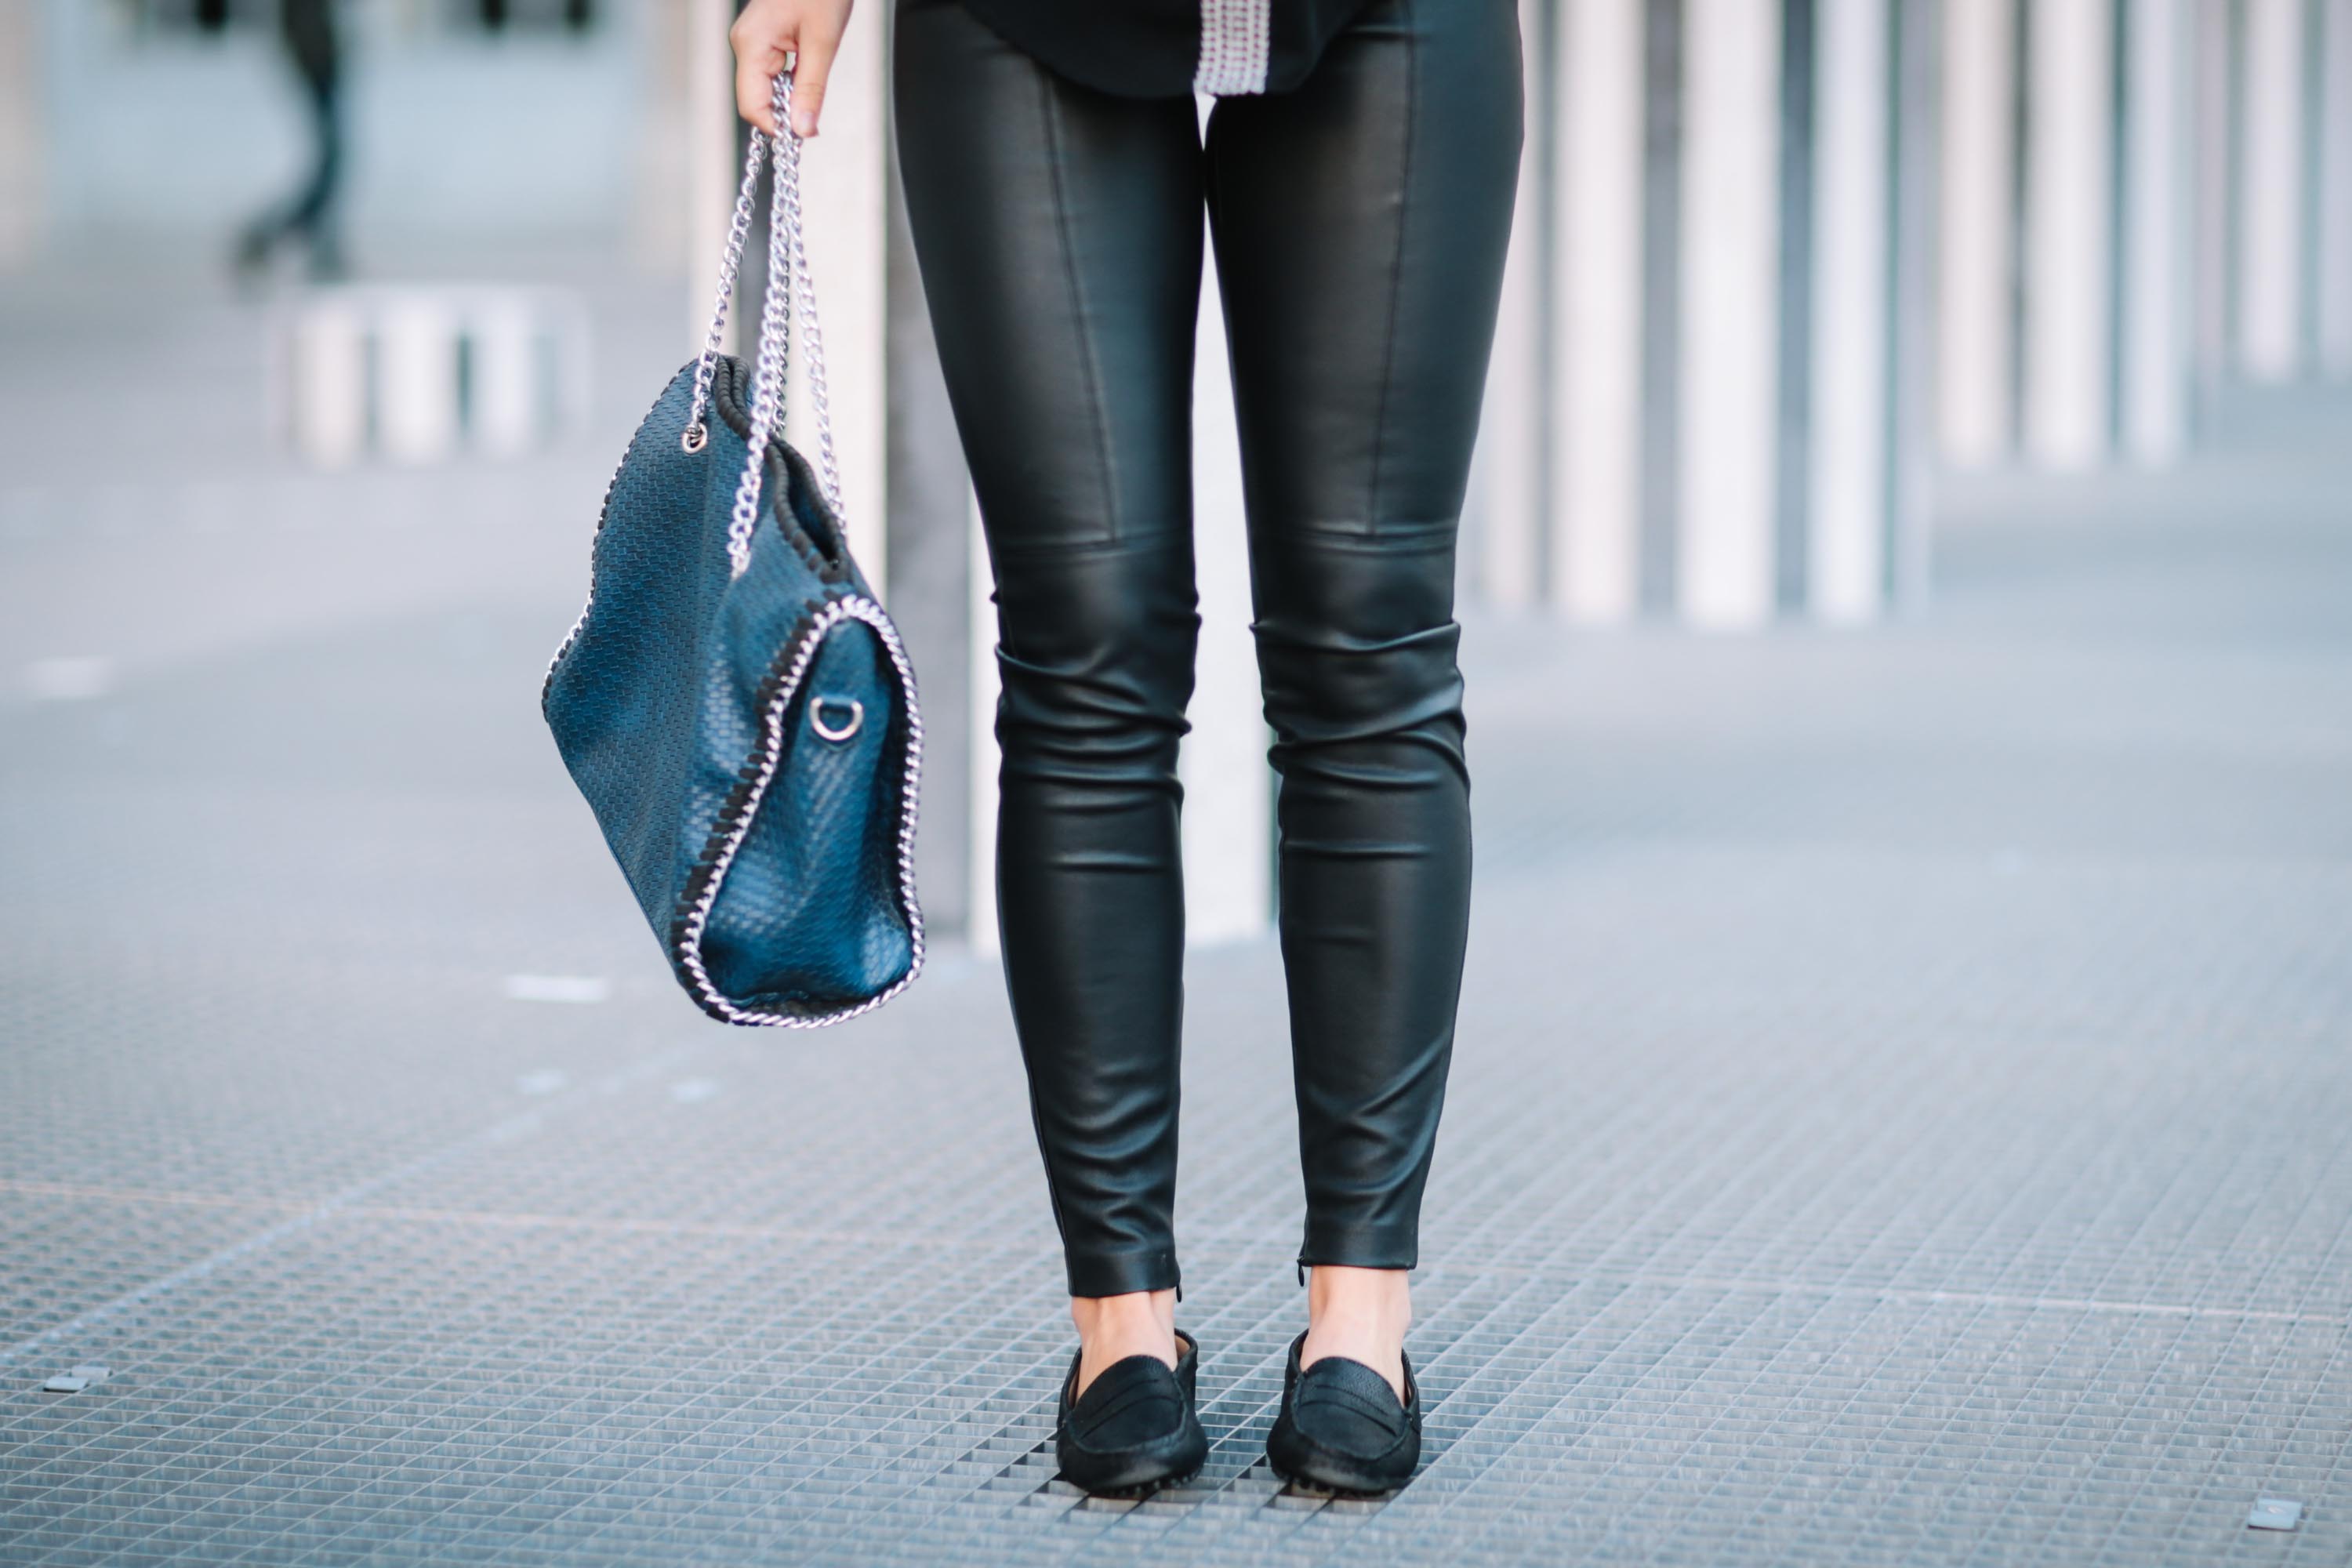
(1356, 176)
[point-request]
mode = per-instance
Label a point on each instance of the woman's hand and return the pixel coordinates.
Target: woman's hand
(768, 30)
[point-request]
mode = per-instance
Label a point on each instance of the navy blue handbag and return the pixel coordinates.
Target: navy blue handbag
(734, 702)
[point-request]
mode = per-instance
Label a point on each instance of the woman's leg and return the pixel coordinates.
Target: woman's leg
(1058, 232)
(1360, 225)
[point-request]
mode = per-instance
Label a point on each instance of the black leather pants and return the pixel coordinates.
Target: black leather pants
(1358, 224)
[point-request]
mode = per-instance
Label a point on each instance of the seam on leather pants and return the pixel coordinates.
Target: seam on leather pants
(1412, 36)
(1050, 112)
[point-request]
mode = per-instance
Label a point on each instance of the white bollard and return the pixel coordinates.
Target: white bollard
(2270, 175)
(1729, 280)
(504, 342)
(2069, 224)
(327, 402)
(416, 378)
(2155, 380)
(1976, 232)
(1596, 280)
(1846, 536)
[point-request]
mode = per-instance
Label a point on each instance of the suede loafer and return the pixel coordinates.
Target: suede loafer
(1135, 1428)
(1342, 1428)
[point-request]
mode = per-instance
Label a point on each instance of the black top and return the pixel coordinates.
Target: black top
(1169, 48)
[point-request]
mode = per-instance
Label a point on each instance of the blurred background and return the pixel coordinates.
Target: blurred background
(1908, 590)
(1786, 280)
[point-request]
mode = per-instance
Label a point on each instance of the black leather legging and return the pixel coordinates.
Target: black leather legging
(1358, 224)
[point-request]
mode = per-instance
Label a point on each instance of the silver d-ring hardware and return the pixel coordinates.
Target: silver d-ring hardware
(696, 437)
(816, 717)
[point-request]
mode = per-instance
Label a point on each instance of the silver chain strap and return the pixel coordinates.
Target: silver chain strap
(788, 269)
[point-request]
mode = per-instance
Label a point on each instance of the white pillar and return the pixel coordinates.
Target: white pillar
(711, 167)
(2211, 83)
(1846, 534)
(1730, 272)
(1596, 278)
(2156, 251)
(2336, 193)
(2270, 256)
(416, 377)
(2069, 219)
(506, 335)
(980, 791)
(1976, 231)
(1228, 820)
(327, 390)
(845, 182)
(1511, 429)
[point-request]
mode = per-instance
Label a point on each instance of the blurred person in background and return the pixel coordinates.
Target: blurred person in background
(306, 28)
(1358, 177)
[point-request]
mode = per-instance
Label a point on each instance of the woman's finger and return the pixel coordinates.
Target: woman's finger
(817, 47)
(760, 49)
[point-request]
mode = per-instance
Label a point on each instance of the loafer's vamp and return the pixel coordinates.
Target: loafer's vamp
(1129, 1402)
(1348, 1407)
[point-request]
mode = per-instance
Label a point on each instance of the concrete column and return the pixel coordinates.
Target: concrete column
(2156, 185)
(1976, 232)
(1917, 156)
(986, 755)
(23, 146)
(845, 199)
(2211, 82)
(713, 163)
(2069, 230)
(1228, 781)
(1509, 486)
(1846, 531)
(1730, 320)
(2271, 187)
(2336, 191)
(1596, 283)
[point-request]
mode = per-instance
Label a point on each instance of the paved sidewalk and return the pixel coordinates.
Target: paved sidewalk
(1901, 1113)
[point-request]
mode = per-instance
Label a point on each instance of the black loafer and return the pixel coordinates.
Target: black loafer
(1342, 1427)
(1135, 1428)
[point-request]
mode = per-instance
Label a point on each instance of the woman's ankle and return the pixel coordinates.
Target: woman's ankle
(1112, 1328)
(1360, 1314)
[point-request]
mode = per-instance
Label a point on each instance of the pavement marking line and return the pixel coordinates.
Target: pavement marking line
(1965, 1298)
(342, 1201)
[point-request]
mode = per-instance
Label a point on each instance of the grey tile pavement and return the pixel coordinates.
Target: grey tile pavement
(1900, 1115)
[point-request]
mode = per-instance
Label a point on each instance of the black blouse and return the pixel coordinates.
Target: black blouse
(1172, 48)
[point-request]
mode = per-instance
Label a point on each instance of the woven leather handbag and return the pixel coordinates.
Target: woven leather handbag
(734, 702)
